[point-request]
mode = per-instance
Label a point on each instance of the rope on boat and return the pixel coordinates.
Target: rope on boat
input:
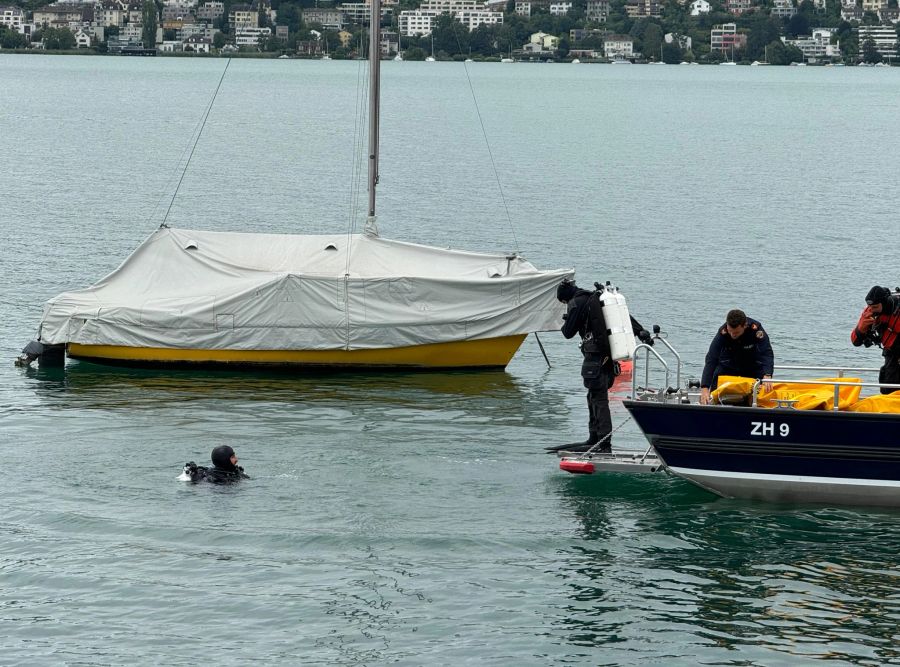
(606, 437)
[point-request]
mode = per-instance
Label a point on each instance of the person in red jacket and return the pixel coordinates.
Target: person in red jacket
(879, 325)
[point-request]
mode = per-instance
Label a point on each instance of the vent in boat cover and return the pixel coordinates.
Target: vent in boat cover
(190, 245)
(331, 246)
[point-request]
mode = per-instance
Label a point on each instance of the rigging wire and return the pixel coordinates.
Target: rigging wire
(196, 140)
(170, 181)
(356, 160)
(487, 143)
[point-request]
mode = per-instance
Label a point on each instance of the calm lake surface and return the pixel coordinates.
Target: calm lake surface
(414, 519)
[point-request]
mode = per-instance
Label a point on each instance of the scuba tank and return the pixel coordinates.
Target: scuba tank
(618, 322)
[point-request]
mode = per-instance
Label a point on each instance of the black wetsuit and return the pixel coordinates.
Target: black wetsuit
(584, 316)
(214, 475)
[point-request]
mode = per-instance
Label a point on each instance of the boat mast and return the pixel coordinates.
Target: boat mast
(374, 105)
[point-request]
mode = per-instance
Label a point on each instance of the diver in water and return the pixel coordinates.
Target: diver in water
(225, 469)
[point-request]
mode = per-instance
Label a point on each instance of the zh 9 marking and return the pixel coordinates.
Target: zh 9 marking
(768, 428)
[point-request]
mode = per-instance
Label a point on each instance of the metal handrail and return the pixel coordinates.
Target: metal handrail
(677, 358)
(836, 383)
(634, 356)
(840, 370)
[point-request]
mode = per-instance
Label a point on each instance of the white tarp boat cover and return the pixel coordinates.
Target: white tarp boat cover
(189, 289)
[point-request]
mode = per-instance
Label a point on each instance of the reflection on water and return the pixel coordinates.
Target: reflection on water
(483, 395)
(760, 580)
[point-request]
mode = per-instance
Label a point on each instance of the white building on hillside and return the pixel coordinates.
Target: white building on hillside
(358, 12)
(683, 41)
(597, 10)
(415, 22)
(560, 8)
(210, 10)
(450, 6)
(783, 9)
(618, 47)
(545, 41)
(13, 17)
(249, 36)
(699, 7)
(474, 18)
(82, 39)
(884, 38)
(468, 12)
(817, 46)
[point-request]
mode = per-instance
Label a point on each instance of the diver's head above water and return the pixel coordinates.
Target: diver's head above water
(224, 458)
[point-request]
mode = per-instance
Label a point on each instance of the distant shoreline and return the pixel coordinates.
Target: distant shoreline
(277, 56)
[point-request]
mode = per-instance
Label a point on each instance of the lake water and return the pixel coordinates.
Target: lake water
(414, 519)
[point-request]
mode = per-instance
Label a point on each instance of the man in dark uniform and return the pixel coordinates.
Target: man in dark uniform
(584, 316)
(879, 325)
(741, 347)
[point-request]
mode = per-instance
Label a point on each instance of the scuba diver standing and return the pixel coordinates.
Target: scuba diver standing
(225, 469)
(584, 316)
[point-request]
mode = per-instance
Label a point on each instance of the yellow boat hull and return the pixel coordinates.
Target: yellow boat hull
(482, 353)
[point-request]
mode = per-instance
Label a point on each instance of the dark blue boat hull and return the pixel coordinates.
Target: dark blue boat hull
(777, 454)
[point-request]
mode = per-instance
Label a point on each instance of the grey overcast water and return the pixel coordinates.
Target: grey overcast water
(414, 519)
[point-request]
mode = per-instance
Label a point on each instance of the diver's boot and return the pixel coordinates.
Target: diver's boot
(592, 440)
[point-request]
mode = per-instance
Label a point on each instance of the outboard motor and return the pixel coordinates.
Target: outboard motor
(47, 355)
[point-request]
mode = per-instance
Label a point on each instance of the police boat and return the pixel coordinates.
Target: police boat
(830, 439)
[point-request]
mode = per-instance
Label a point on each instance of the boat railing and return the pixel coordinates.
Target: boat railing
(634, 374)
(837, 384)
(648, 353)
(838, 371)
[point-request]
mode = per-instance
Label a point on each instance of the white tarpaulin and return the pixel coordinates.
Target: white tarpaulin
(220, 290)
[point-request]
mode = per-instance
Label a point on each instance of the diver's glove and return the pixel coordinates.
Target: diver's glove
(645, 337)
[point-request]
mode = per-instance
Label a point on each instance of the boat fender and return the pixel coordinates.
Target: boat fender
(618, 324)
(577, 467)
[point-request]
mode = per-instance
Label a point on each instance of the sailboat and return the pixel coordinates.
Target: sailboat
(764, 61)
(325, 55)
(193, 298)
(731, 61)
(430, 59)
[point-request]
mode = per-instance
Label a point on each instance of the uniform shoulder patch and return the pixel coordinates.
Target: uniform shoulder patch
(754, 326)
(760, 334)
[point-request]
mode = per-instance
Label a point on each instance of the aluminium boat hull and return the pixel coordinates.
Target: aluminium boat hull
(482, 353)
(780, 455)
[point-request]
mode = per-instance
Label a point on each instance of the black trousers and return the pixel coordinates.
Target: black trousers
(599, 418)
(598, 378)
(890, 372)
